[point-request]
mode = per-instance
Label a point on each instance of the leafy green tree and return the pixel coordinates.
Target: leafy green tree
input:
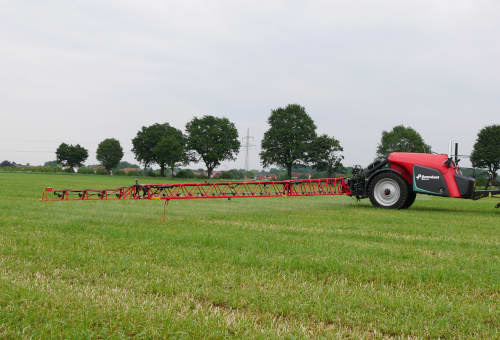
(125, 164)
(213, 140)
(50, 163)
(486, 152)
(144, 142)
(325, 154)
(109, 153)
(171, 150)
(233, 174)
(289, 138)
(185, 173)
(251, 173)
(160, 144)
(401, 139)
(71, 155)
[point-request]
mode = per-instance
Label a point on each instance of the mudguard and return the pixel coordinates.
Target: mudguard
(378, 172)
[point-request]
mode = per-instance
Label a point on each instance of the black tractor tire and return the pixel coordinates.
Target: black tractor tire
(412, 195)
(388, 190)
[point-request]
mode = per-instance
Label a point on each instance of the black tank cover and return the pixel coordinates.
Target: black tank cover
(465, 185)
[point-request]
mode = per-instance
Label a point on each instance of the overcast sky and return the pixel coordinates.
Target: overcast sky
(81, 71)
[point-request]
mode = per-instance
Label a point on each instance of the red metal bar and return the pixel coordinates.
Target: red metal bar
(291, 188)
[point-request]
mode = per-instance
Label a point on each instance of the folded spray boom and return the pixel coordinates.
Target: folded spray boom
(306, 187)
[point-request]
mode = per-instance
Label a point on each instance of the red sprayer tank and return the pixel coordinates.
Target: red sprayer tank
(405, 162)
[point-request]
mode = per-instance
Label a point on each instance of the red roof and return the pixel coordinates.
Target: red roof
(130, 169)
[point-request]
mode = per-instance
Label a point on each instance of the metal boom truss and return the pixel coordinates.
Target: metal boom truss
(291, 188)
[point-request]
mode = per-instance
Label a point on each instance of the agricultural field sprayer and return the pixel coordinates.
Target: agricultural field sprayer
(391, 183)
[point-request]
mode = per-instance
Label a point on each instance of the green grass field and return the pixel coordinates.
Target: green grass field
(248, 268)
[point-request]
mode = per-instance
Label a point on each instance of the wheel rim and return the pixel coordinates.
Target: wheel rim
(387, 192)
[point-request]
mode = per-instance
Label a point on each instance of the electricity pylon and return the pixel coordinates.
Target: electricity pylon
(247, 144)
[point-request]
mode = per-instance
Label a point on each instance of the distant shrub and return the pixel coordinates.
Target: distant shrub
(224, 175)
(185, 173)
(119, 172)
(34, 169)
(317, 175)
(43, 169)
(6, 164)
(69, 170)
(53, 168)
(85, 171)
(50, 163)
(151, 173)
(102, 172)
(134, 173)
(125, 164)
(231, 174)
(481, 181)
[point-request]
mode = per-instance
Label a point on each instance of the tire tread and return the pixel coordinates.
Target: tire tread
(403, 187)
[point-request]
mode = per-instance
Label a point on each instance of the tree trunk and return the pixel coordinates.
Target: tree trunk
(209, 172)
(162, 170)
(330, 172)
(490, 179)
(172, 167)
(289, 170)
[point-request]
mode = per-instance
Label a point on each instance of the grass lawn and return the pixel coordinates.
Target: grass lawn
(278, 267)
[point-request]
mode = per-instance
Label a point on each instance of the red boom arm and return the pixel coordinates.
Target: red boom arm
(306, 187)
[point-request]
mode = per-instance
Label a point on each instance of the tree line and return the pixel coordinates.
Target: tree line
(290, 141)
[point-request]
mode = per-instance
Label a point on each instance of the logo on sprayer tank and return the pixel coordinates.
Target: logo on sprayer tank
(429, 181)
(421, 177)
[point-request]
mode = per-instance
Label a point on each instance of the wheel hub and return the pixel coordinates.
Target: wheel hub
(387, 192)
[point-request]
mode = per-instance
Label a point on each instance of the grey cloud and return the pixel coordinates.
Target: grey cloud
(83, 71)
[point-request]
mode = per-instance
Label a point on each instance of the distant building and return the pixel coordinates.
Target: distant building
(267, 177)
(127, 170)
